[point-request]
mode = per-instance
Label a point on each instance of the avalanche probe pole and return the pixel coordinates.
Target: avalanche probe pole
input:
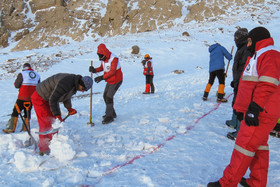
(90, 116)
(229, 62)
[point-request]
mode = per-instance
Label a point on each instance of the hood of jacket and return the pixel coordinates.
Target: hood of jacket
(102, 49)
(212, 47)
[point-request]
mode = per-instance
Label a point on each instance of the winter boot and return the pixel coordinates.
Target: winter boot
(152, 89)
(107, 119)
(12, 125)
(42, 153)
(214, 184)
(232, 135)
(275, 133)
(147, 91)
(206, 92)
(27, 122)
(244, 183)
(233, 122)
(221, 94)
(114, 115)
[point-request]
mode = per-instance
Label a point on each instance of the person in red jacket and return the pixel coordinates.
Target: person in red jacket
(257, 102)
(112, 75)
(149, 73)
(26, 81)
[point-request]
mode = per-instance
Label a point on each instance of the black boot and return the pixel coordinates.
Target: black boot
(221, 98)
(107, 119)
(114, 115)
(214, 184)
(205, 95)
(244, 183)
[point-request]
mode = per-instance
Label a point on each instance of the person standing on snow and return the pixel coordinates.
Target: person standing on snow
(217, 69)
(112, 75)
(26, 81)
(240, 58)
(49, 93)
(148, 72)
(258, 102)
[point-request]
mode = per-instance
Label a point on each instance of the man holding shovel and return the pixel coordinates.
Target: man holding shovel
(49, 93)
(26, 82)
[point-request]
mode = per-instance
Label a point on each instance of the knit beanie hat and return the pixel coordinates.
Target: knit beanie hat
(240, 33)
(26, 66)
(87, 82)
(258, 34)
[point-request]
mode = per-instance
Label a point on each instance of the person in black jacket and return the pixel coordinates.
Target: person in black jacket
(241, 55)
(49, 93)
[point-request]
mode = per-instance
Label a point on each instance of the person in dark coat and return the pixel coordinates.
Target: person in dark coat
(240, 58)
(26, 82)
(216, 69)
(49, 93)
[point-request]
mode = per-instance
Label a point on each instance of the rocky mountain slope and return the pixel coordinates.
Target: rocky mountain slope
(30, 24)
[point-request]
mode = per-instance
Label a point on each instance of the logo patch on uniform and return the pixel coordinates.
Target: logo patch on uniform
(248, 67)
(32, 75)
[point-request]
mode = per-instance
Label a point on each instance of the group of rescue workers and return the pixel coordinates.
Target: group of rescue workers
(256, 73)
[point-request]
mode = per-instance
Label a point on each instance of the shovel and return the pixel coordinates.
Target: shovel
(31, 140)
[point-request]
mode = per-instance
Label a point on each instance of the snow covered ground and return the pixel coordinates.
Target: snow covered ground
(170, 138)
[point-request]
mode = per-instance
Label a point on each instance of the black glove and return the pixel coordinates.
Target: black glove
(92, 69)
(232, 84)
(252, 114)
(98, 79)
(239, 115)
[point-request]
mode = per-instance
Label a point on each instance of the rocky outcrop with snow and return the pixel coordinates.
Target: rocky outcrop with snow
(39, 23)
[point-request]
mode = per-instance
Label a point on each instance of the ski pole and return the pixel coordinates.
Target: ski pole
(90, 116)
(31, 140)
(228, 62)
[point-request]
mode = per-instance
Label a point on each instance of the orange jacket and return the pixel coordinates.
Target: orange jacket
(260, 80)
(111, 66)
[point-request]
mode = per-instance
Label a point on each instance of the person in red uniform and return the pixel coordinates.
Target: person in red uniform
(112, 75)
(257, 102)
(49, 93)
(26, 81)
(148, 72)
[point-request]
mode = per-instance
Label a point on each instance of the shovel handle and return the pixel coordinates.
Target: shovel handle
(27, 105)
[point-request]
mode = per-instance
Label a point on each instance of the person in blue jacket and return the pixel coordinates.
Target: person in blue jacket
(217, 69)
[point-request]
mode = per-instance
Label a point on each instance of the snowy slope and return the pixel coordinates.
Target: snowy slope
(171, 138)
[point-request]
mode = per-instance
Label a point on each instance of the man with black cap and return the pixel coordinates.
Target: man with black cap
(240, 58)
(49, 93)
(113, 75)
(257, 102)
(26, 82)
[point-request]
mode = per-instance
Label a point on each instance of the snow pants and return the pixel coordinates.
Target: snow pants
(45, 119)
(149, 81)
(250, 151)
(108, 97)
